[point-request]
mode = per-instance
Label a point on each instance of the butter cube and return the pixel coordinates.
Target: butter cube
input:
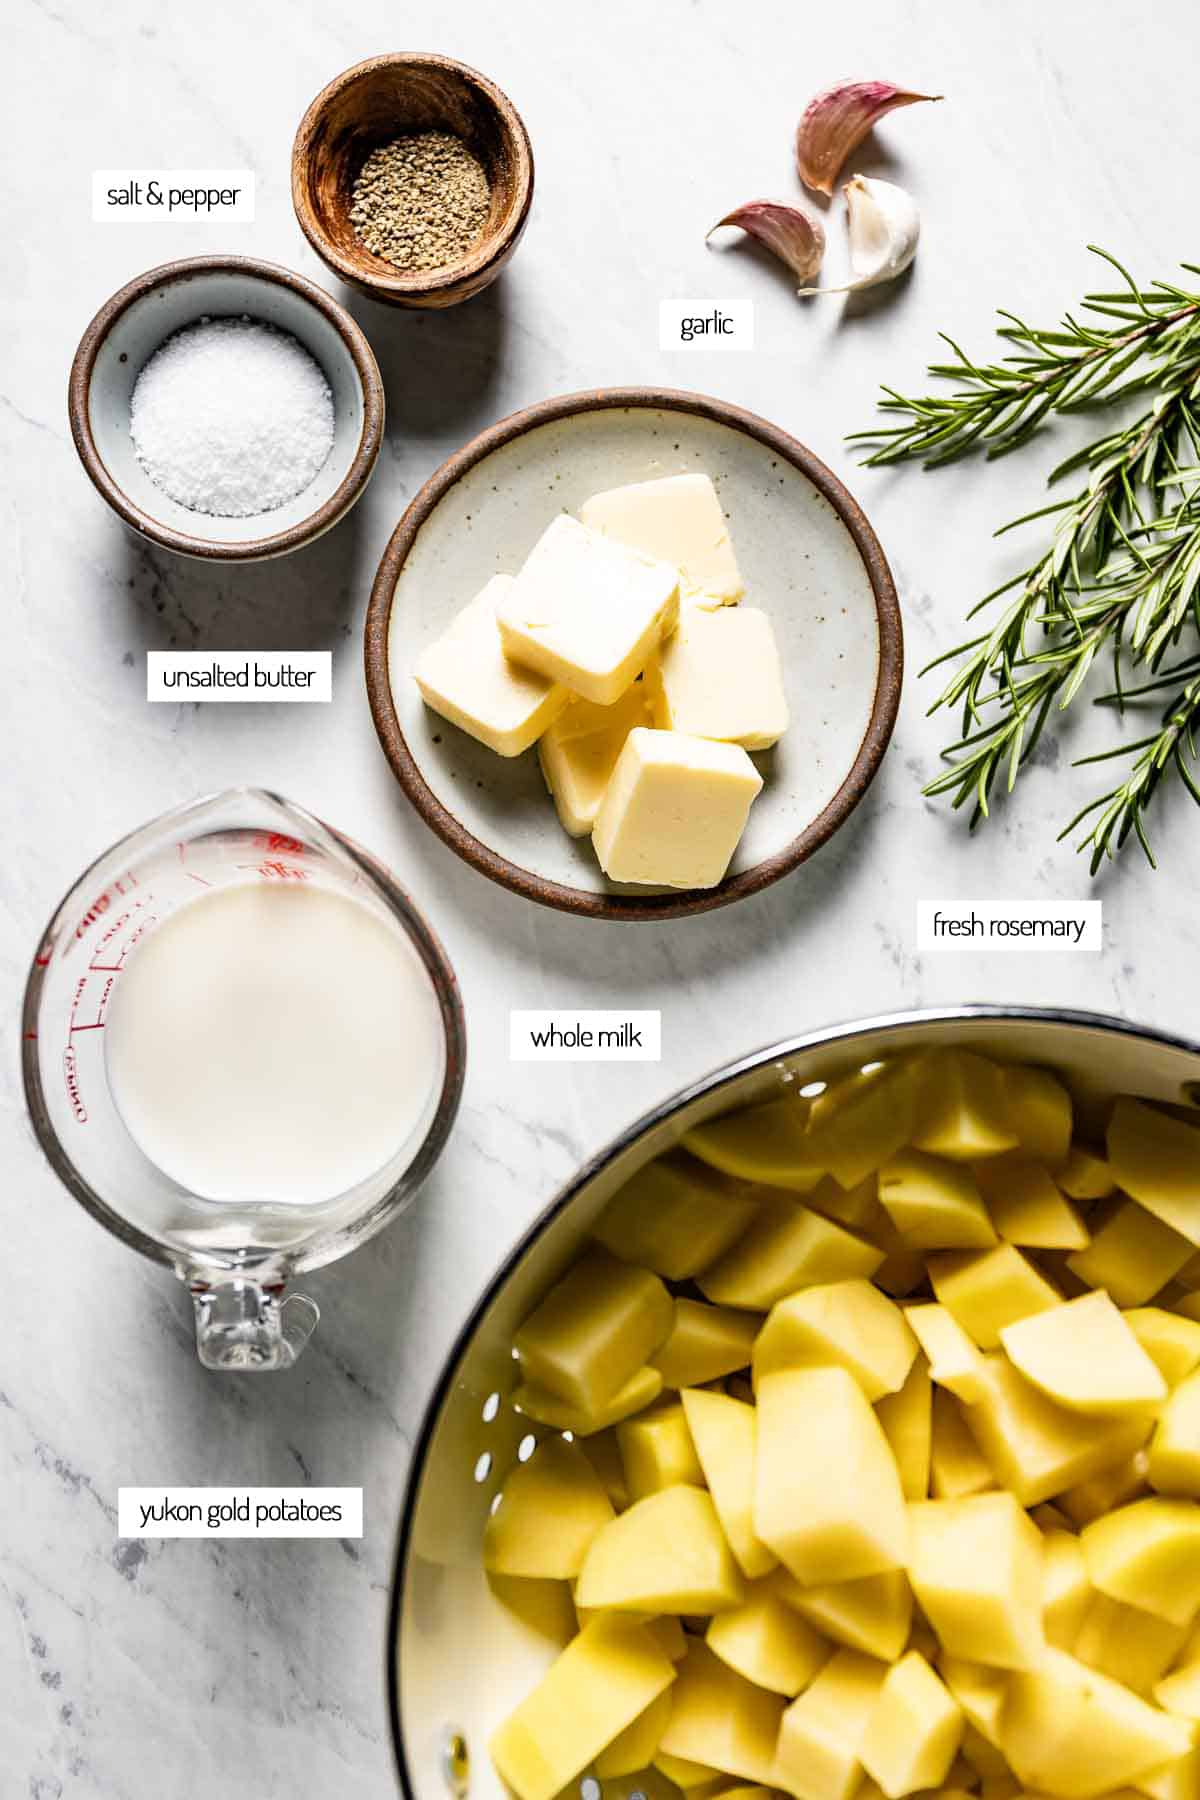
(579, 752)
(678, 520)
(587, 612)
(675, 810)
(719, 676)
(466, 678)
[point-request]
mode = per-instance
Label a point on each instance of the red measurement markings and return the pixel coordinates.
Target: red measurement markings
(275, 871)
(275, 843)
(123, 885)
(191, 873)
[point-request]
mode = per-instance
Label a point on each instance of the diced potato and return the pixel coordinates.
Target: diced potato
(848, 1323)
(1000, 1787)
(676, 1216)
(768, 1642)
(669, 1635)
(767, 1143)
(604, 1453)
(1179, 1692)
(907, 1421)
(1135, 1647)
(903, 1268)
(1038, 1448)
(545, 1607)
(962, 1108)
(857, 1208)
(1049, 1516)
(1174, 1456)
(657, 1452)
(667, 1554)
(724, 1433)
(720, 1719)
(981, 1692)
(695, 1779)
(861, 1121)
(706, 1343)
(635, 1747)
(1084, 1356)
(603, 1680)
(822, 1732)
(1070, 1731)
(1066, 1591)
(954, 1360)
(1172, 1342)
(551, 1508)
(1091, 1499)
(1187, 1305)
(538, 1403)
(957, 1466)
(976, 1569)
(934, 1204)
(827, 1496)
(873, 1615)
(1039, 1112)
(1156, 1159)
(914, 1730)
(1176, 1780)
(988, 1289)
(787, 1247)
(1132, 1254)
(1084, 1175)
(594, 1330)
(1027, 1208)
(1148, 1554)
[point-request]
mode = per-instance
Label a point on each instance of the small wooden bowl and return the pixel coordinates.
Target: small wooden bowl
(382, 99)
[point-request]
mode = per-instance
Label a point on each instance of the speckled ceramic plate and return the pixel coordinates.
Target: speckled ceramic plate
(808, 558)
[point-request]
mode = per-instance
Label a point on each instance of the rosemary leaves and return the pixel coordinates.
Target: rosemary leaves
(1119, 577)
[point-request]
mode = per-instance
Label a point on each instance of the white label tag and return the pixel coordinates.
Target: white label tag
(565, 1036)
(231, 1512)
(706, 324)
(283, 675)
(140, 196)
(1021, 925)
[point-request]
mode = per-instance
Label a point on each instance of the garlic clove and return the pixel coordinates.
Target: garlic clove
(837, 121)
(884, 226)
(788, 232)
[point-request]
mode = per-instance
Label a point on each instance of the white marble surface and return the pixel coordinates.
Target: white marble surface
(182, 1668)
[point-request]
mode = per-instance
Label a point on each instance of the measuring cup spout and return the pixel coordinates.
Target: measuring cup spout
(244, 1324)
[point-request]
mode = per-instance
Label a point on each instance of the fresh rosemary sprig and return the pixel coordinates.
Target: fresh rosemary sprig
(1120, 574)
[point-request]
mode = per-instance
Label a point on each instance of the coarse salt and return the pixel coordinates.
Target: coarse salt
(231, 417)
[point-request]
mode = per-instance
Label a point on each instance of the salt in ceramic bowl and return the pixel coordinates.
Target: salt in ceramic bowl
(808, 557)
(131, 326)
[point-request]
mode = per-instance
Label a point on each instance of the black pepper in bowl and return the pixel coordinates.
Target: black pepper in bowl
(421, 201)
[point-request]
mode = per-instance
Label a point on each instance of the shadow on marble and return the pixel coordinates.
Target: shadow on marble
(438, 368)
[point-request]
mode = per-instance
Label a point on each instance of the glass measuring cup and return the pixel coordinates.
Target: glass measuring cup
(236, 1256)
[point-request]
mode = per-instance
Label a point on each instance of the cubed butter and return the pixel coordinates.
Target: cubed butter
(677, 519)
(719, 676)
(675, 810)
(579, 750)
(586, 611)
(466, 677)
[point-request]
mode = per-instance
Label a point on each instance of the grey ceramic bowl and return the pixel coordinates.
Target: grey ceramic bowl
(127, 331)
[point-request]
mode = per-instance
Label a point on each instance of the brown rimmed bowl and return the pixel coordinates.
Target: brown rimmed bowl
(384, 98)
(809, 559)
(131, 326)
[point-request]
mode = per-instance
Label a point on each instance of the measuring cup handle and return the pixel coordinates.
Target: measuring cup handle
(243, 1324)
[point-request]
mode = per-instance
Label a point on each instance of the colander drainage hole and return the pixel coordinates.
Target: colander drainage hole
(491, 1407)
(526, 1447)
(483, 1467)
(456, 1762)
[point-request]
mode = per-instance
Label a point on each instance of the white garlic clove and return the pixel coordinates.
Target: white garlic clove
(837, 121)
(884, 226)
(788, 232)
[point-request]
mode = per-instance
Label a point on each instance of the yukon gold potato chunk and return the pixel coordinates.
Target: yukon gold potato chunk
(862, 1121)
(787, 1247)
(1084, 1355)
(1132, 1254)
(1089, 1500)
(675, 1216)
(962, 1108)
(990, 1289)
(1171, 1342)
(594, 1330)
(1148, 1554)
(846, 1323)
(1066, 1591)
(1136, 1648)
(1027, 1208)
(548, 1409)
(551, 1508)
(1039, 1112)
(1156, 1159)
(767, 1143)
(1070, 1731)
(976, 1569)
(817, 1757)
(720, 1719)
(914, 1730)
(768, 1642)
(657, 1451)
(599, 1685)
(635, 1747)
(935, 1204)
(954, 1360)
(1038, 1448)
(1084, 1175)
(1174, 1458)
(873, 1614)
(667, 1554)
(981, 1692)
(707, 1342)
(907, 1421)
(827, 1496)
(724, 1432)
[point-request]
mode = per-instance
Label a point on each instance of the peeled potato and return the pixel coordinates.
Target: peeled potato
(551, 1508)
(667, 1554)
(1084, 1355)
(1070, 1731)
(849, 1324)
(594, 1331)
(976, 1569)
